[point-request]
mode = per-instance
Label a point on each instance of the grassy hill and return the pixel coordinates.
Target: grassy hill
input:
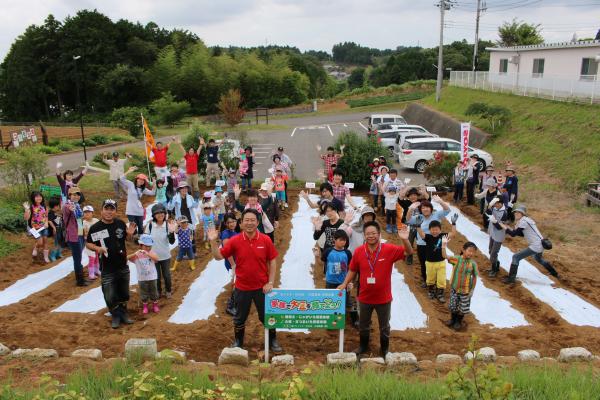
(555, 145)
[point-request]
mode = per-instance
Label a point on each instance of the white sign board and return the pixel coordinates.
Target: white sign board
(349, 185)
(220, 183)
(431, 188)
(310, 185)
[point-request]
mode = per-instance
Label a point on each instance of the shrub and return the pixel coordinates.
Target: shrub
(64, 146)
(128, 118)
(386, 99)
(230, 105)
(7, 247)
(100, 139)
(168, 111)
(496, 116)
(359, 151)
(48, 149)
(24, 166)
(440, 170)
(11, 218)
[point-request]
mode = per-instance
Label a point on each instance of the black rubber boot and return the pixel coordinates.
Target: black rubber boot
(550, 269)
(124, 315)
(273, 343)
(440, 296)
(452, 320)
(238, 332)
(364, 344)
(431, 291)
(384, 343)
(354, 319)
(512, 275)
(495, 269)
(458, 323)
(116, 318)
(80, 279)
(231, 310)
(409, 260)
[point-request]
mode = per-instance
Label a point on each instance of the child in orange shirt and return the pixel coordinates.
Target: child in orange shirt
(279, 181)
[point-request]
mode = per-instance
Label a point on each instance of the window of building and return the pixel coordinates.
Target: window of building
(589, 69)
(503, 65)
(538, 67)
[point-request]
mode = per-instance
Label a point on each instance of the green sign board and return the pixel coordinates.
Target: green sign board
(49, 191)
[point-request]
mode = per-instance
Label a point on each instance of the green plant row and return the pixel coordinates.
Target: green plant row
(369, 101)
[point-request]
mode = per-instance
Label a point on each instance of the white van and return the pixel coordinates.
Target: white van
(375, 119)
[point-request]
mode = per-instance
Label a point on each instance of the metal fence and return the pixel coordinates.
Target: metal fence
(585, 88)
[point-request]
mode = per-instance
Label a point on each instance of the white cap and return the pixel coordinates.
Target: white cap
(88, 208)
(264, 186)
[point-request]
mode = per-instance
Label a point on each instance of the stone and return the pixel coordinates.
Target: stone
(4, 350)
(372, 363)
(571, 354)
(396, 359)
(485, 354)
(35, 353)
(448, 359)
(177, 356)
(507, 360)
(341, 359)
(233, 355)
(92, 354)
(145, 348)
(528, 355)
(285, 359)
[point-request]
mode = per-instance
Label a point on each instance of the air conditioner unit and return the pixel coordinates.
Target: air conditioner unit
(514, 59)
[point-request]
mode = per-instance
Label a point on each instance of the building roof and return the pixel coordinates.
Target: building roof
(548, 46)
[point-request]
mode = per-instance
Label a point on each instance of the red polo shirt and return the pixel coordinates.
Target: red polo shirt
(160, 156)
(381, 291)
(252, 258)
(191, 163)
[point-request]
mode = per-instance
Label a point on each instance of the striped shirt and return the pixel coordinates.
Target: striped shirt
(464, 274)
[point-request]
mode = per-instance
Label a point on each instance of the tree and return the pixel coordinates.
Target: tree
(167, 110)
(356, 78)
(24, 166)
(128, 118)
(518, 33)
(230, 106)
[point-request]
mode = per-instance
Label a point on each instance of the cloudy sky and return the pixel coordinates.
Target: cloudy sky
(317, 24)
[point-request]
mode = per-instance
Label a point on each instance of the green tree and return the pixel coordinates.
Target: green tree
(167, 110)
(123, 85)
(128, 118)
(356, 78)
(22, 168)
(519, 33)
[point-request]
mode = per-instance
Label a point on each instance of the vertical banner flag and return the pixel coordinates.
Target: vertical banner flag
(149, 140)
(465, 130)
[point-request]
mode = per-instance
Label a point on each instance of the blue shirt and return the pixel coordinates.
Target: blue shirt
(228, 234)
(212, 154)
(207, 220)
(184, 237)
(337, 262)
(436, 216)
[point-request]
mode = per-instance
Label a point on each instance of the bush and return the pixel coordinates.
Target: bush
(230, 105)
(11, 218)
(168, 111)
(440, 170)
(359, 151)
(8, 247)
(100, 139)
(128, 118)
(64, 146)
(496, 116)
(49, 149)
(369, 101)
(24, 166)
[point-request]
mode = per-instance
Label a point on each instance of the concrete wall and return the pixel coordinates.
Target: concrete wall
(440, 124)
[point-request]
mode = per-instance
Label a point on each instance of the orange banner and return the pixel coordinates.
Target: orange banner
(149, 139)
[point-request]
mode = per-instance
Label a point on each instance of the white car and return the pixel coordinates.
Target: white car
(375, 119)
(416, 153)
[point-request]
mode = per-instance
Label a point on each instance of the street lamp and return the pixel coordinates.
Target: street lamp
(75, 58)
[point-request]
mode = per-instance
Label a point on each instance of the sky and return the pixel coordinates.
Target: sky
(317, 24)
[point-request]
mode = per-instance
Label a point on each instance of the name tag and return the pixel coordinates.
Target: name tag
(371, 280)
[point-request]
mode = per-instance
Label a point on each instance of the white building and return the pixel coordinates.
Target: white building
(556, 70)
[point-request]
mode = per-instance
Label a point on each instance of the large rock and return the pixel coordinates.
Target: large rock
(486, 354)
(341, 359)
(233, 355)
(35, 353)
(93, 354)
(377, 363)
(145, 348)
(285, 359)
(398, 359)
(528, 355)
(448, 359)
(574, 354)
(4, 350)
(177, 356)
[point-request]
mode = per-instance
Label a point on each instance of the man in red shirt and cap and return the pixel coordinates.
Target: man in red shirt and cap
(255, 258)
(374, 262)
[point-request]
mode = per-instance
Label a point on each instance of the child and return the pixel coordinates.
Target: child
(230, 203)
(208, 222)
(231, 180)
(56, 227)
(327, 227)
(36, 216)
(391, 198)
(66, 180)
(337, 259)
(218, 203)
(435, 263)
(462, 282)
(497, 215)
(229, 228)
(185, 235)
(144, 260)
(243, 168)
(88, 221)
(279, 184)
(161, 192)
(374, 192)
(206, 197)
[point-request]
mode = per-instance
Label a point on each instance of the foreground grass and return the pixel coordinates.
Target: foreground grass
(7, 247)
(124, 380)
(561, 139)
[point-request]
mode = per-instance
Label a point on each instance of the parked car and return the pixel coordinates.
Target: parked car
(375, 119)
(394, 137)
(417, 152)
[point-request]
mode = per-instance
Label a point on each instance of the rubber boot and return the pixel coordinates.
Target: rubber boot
(494, 271)
(174, 267)
(364, 344)
(384, 343)
(512, 275)
(145, 309)
(354, 319)
(192, 264)
(431, 291)
(273, 343)
(34, 252)
(58, 253)
(231, 306)
(458, 323)
(388, 228)
(452, 320)
(116, 318)
(155, 307)
(47, 260)
(124, 315)
(409, 260)
(80, 280)
(53, 256)
(440, 296)
(238, 332)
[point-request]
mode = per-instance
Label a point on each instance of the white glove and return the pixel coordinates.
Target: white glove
(319, 148)
(509, 204)
(407, 181)
(58, 165)
(493, 219)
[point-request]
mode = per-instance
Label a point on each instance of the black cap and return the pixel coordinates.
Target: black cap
(115, 154)
(280, 148)
(109, 203)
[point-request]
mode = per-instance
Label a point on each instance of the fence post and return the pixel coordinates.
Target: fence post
(553, 87)
(593, 90)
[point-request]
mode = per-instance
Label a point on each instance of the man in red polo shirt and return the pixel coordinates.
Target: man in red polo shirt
(374, 262)
(255, 256)
(160, 160)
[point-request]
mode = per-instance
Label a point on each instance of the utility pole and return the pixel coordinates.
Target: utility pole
(444, 6)
(75, 58)
(480, 9)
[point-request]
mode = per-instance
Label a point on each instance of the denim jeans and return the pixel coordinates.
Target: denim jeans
(115, 287)
(536, 256)
(186, 251)
(76, 250)
(163, 269)
(246, 183)
(458, 191)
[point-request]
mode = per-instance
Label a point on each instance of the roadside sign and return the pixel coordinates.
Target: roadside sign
(349, 185)
(50, 191)
(309, 185)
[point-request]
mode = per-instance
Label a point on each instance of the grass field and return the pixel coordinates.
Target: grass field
(562, 140)
(394, 98)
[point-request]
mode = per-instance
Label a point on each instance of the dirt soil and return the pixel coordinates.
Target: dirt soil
(30, 323)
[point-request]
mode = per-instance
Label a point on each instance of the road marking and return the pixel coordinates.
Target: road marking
(294, 131)
(364, 127)
(330, 131)
(258, 163)
(261, 152)
(260, 157)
